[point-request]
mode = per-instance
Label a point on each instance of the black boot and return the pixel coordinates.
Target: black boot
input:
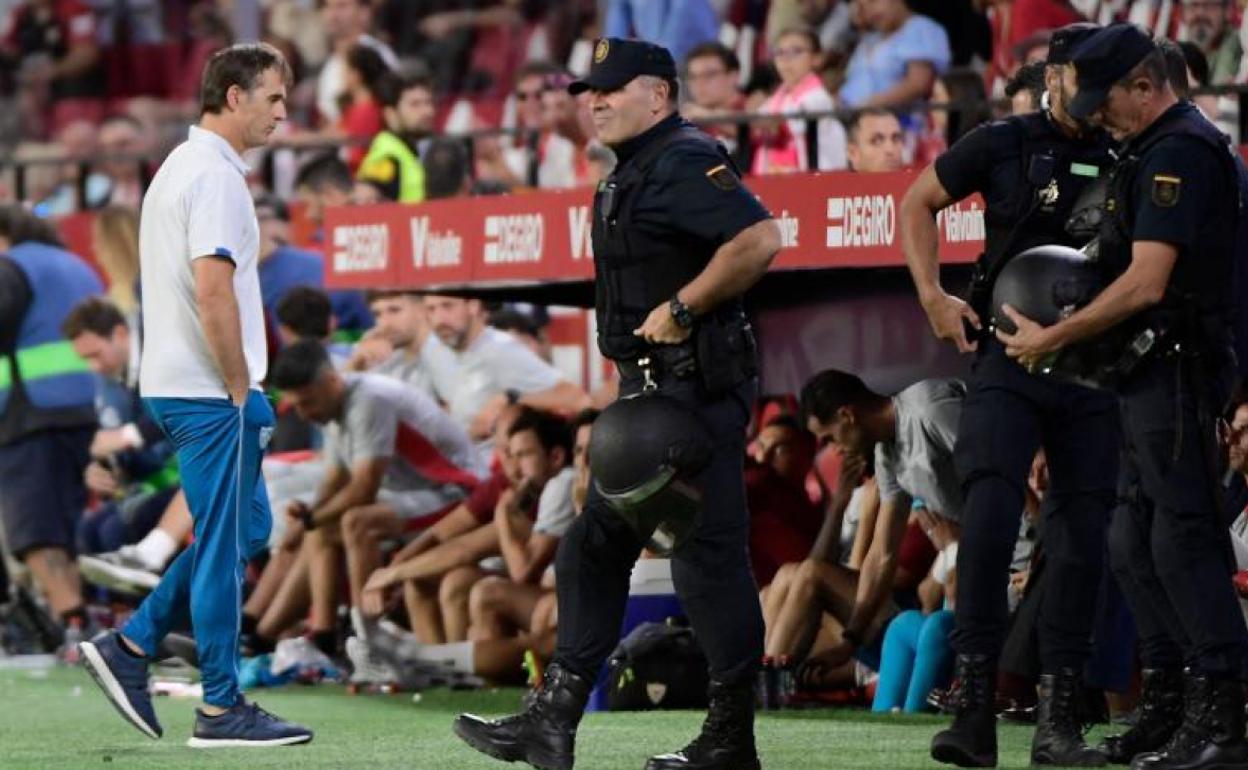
(972, 740)
(727, 738)
(1160, 714)
(1059, 732)
(544, 733)
(1212, 734)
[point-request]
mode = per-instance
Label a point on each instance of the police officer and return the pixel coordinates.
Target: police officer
(677, 240)
(1030, 169)
(1167, 244)
(47, 406)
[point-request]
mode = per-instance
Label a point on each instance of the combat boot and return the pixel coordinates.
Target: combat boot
(1059, 733)
(544, 734)
(727, 738)
(1160, 714)
(972, 739)
(1212, 734)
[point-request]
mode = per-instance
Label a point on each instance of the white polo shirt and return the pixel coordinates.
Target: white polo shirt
(198, 205)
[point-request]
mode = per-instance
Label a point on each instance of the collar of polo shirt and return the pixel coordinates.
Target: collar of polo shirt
(204, 136)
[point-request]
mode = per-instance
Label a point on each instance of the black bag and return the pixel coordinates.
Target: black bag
(657, 666)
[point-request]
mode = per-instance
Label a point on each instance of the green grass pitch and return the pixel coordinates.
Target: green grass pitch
(59, 720)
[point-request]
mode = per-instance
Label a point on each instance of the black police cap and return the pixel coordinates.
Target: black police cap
(1102, 60)
(1064, 40)
(617, 61)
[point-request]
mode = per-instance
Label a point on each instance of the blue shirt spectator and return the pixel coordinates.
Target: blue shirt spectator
(677, 25)
(882, 60)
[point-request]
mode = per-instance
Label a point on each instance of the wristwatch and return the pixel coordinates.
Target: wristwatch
(681, 313)
(305, 516)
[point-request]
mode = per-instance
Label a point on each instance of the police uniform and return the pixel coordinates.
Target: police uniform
(1176, 182)
(1030, 174)
(673, 199)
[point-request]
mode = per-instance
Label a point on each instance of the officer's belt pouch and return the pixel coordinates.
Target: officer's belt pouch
(726, 353)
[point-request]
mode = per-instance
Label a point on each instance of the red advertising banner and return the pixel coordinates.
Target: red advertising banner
(828, 221)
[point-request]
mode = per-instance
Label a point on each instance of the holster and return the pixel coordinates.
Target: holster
(727, 353)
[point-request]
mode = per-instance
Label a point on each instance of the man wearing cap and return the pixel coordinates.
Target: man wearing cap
(677, 240)
(1031, 169)
(1167, 245)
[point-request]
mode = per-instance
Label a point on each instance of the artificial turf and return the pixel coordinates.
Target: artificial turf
(58, 719)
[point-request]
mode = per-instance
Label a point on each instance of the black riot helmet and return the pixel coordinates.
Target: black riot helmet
(643, 454)
(1046, 284)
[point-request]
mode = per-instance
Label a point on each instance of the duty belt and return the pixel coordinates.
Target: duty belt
(659, 363)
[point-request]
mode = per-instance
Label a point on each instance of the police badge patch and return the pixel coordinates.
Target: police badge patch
(600, 51)
(1166, 189)
(722, 177)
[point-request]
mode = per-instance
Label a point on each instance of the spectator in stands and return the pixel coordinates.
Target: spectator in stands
(677, 25)
(1208, 27)
(463, 538)
(346, 23)
(831, 21)
(784, 521)
(47, 414)
(876, 141)
(52, 44)
(711, 73)
(323, 182)
(569, 132)
(362, 118)
(782, 144)
(541, 450)
(897, 62)
(1013, 21)
(912, 436)
(477, 370)
(1189, 70)
(392, 164)
(284, 266)
(520, 163)
(966, 21)
(447, 169)
(77, 140)
(115, 243)
(393, 346)
(395, 458)
(1026, 89)
(123, 137)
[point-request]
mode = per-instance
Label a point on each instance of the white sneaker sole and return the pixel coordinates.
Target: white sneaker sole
(116, 694)
(117, 578)
(235, 743)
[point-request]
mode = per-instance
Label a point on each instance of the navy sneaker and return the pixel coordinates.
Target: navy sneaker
(123, 678)
(246, 724)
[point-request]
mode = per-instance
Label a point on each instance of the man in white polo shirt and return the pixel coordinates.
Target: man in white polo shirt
(203, 360)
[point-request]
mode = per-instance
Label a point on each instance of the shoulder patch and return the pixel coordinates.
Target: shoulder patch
(722, 177)
(1166, 189)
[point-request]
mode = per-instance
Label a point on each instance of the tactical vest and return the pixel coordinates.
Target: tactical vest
(1055, 173)
(43, 382)
(638, 267)
(1179, 304)
(411, 172)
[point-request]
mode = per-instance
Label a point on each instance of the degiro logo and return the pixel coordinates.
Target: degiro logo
(359, 248)
(861, 220)
(513, 238)
(581, 230)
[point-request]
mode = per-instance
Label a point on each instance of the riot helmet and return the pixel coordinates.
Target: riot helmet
(644, 452)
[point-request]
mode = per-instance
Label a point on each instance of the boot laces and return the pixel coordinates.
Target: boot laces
(723, 718)
(971, 688)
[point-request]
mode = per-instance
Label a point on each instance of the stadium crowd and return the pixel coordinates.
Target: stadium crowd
(428, 455)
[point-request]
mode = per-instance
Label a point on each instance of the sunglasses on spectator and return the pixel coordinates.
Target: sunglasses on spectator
(524, 96)
(789, 53)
